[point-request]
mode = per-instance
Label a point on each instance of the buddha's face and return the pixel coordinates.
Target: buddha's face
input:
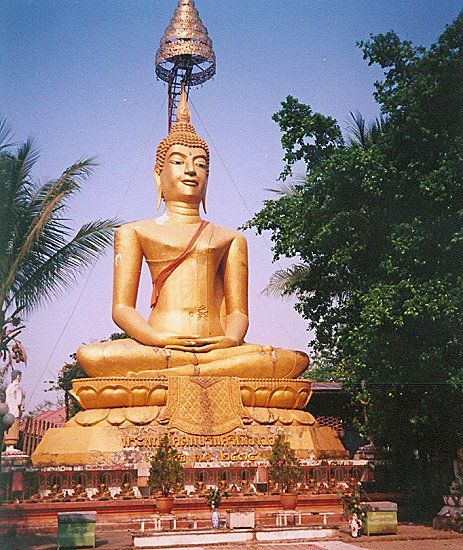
(184, 174)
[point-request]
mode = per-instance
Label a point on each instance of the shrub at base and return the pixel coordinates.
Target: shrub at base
(285, 471)
(166, 471)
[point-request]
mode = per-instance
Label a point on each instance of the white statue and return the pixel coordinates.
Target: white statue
(14, 398)
(355, 525)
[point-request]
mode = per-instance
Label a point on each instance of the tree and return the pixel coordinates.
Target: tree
(284, 467)
(307, 136)
(166, 470)
(40, 255)
(70, 372)
(378, 230)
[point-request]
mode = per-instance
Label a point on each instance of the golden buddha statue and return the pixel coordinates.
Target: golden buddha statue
(199, 270)
(187, 370)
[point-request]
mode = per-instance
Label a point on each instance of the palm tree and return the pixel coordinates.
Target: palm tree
(364, 134)
(39, 254)
(282, 282)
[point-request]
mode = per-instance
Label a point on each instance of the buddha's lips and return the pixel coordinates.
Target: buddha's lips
(191, 183)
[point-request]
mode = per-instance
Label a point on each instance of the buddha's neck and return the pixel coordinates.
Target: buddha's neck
(183, 212)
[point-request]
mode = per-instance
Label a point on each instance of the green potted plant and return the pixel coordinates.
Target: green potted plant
(354, 510)
(214, 500)
(166, 474)
(286, 471)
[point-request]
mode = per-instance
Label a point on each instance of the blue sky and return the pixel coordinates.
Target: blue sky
(79, 77)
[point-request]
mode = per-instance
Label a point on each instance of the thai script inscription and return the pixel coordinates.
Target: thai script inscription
(150, 440)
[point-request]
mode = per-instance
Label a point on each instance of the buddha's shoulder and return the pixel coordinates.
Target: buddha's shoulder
(226, 233)
(138, 227)
(154, 226)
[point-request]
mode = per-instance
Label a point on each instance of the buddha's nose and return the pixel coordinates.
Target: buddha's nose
(190, 167)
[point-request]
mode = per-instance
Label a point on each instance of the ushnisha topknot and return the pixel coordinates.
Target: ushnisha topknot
(181, 133)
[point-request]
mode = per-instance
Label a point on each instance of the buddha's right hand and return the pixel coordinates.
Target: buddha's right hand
(166, 339)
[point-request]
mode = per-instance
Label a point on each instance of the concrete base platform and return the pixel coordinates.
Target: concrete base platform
(165, 539)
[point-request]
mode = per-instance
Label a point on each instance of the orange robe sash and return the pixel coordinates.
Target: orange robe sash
(167, 272)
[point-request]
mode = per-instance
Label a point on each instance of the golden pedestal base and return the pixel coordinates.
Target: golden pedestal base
(207, 418)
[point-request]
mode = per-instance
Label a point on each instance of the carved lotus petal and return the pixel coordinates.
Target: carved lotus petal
(139, 396)
(141, 415)
(303, 417)
(86, 397)
(116, 417)
(283, 397)
(158, 396)
(285, 417)
(249, 418)
(262, 397)
(303, 398)
(261, 415)
(248, 396)
(161, 418)
(91, 417)
(114, 396)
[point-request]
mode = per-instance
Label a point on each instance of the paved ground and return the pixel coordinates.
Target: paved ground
(410, 537)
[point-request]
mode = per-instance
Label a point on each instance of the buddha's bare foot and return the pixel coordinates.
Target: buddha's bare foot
(274, 363)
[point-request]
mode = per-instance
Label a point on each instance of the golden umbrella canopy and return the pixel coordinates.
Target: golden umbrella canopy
(186, 46)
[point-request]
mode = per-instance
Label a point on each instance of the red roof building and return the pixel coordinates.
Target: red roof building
(33, 428)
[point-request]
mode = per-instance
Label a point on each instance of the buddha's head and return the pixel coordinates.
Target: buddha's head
(182, 162)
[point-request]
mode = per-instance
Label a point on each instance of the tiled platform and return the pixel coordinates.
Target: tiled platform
(192, 539)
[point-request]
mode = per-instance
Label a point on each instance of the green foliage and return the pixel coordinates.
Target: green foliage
(214, 497)
(70, 372)
(307, 136)
(40, 253)
(377, 229)
(117, 336)
(352, 503)
(166, 471)
(284, 467)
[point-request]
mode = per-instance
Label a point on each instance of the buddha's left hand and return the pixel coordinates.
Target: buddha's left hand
(202, 345)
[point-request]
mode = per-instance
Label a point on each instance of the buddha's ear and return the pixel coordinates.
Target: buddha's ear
(203, 200)
(157, 179)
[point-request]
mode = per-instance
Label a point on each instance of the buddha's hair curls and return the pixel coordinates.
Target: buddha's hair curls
(181, 133)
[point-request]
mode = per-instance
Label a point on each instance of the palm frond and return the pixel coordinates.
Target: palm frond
(27, 156)
(284, 189)
(15, 193)
(283, 281)
(15, 180)
(358, 128)
(67, 184)
(377, 128)
(46, 201)
(6, 134)
(362, 133)
(37, 283)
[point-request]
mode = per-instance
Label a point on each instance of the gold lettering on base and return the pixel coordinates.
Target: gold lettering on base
(182, 441)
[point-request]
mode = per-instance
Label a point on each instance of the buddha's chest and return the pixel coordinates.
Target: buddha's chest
(167, 245)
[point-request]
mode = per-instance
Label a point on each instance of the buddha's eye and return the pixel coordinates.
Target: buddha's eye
(176, 160)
